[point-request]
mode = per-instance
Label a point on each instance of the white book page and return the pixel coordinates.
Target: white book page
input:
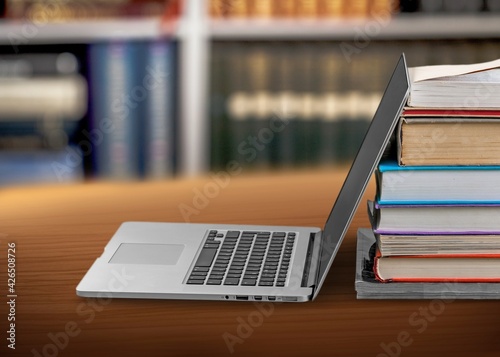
(423, 73)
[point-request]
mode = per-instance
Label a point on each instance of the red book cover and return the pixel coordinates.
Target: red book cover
(450, 113)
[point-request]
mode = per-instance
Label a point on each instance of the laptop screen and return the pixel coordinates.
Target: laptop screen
(368, 157)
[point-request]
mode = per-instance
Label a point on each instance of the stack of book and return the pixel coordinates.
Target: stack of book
(436, 218)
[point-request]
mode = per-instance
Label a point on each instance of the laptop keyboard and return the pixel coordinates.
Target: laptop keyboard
(244, 258)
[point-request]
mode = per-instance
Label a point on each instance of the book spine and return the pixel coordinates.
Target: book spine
(260, 8)
(285, 104)
(284, 9)
(159, 111)
(221, 62)
(262, 136)
(376, 268)
(306, 8)
(113, 110)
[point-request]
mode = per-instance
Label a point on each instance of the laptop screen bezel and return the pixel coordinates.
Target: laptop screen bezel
(374, 143)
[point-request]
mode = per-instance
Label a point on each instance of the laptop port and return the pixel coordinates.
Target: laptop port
(271, 298)
(290, 298)
(241, 297)
(257, 298)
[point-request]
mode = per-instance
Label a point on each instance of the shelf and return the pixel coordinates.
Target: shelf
(24, 33)
(401, 27)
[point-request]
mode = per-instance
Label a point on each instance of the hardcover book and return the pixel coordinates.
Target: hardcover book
(434, 140)
(455, 86)
(477, 218)
(368, 287)
(431, 184)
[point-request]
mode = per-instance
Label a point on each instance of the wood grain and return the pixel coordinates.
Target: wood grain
(60, 230)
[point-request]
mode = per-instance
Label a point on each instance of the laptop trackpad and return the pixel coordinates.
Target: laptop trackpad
(150, 254)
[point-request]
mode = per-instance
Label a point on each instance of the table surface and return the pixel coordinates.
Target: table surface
(60, 230)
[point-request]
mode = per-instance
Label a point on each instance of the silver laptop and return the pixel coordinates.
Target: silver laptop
(240, 262)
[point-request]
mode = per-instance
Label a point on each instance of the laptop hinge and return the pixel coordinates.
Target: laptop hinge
(312, 261)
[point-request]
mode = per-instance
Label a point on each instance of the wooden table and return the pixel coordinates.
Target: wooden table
(59, 231)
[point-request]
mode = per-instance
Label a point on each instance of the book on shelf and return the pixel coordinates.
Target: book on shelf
(44, 86)
(111, 77)
(300, 9)
(133, 110)
(470, 86)
(159, 110)
(43, 100)
(298, 101)
(428, 184)
(451, 6)
(63, 11)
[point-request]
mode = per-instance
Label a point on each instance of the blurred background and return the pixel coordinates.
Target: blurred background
(154, 89)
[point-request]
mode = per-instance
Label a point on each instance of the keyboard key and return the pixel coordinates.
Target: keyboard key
(232, 234)
(201, 268)
(197, 277)
(268, 280)
(216, 277)
(270, 265)
(214, 245)
(255, 262)
(249, 282)
(196, 282)
(234, 275)
(265, 283)
(214, 282)
(253, 268)
(231, 281)
(206, 257)
(235, 270)
(199, 273)
(280, 284)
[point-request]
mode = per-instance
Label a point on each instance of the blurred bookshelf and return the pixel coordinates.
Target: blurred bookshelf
(169, 88)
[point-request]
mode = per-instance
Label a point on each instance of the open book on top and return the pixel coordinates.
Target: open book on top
(472, 86)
